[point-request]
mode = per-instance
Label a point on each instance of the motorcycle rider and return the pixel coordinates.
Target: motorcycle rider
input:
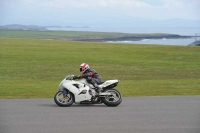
(91, 76)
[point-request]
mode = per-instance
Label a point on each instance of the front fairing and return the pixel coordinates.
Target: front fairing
(79, 89)
(83, 81)
(68, 78)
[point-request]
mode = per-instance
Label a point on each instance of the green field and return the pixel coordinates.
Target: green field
(51, 34)
(33, 68)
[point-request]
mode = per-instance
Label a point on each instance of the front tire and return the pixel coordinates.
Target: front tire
(112, 100)
(63, 101)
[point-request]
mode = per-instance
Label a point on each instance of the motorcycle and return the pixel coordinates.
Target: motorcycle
(81, 92)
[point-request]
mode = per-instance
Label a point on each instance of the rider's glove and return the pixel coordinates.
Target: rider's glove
(76, 77)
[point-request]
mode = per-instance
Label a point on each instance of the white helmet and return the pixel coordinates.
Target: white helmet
(84, 67)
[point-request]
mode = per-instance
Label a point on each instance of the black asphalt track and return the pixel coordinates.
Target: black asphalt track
(154, 114)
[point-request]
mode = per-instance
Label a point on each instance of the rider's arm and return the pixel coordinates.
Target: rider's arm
(81, 76)
(86, 75)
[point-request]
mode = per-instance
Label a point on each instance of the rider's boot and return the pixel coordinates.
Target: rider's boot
(98, 90)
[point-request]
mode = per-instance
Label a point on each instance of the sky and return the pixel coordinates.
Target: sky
(99, 12)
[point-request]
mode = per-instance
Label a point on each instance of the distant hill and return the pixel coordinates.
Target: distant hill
(86, 36)
(22, 27)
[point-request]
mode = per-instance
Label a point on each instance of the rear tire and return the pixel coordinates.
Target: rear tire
(112, 100)
(63, 101)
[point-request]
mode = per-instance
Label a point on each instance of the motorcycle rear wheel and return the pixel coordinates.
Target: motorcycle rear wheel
(63, 101)
(112, 100)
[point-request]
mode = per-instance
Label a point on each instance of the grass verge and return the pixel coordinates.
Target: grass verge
(33, 68)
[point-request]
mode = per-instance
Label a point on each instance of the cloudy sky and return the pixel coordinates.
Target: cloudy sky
(91, 12)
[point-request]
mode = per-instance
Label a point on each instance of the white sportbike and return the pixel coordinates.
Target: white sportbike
(81, 92)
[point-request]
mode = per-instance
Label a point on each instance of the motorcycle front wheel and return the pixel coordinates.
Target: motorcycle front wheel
(112, 100)
(63, 100)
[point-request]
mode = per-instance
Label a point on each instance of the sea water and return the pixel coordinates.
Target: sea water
(180, 42)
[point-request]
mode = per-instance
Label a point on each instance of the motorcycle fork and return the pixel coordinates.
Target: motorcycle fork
(65, 92)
